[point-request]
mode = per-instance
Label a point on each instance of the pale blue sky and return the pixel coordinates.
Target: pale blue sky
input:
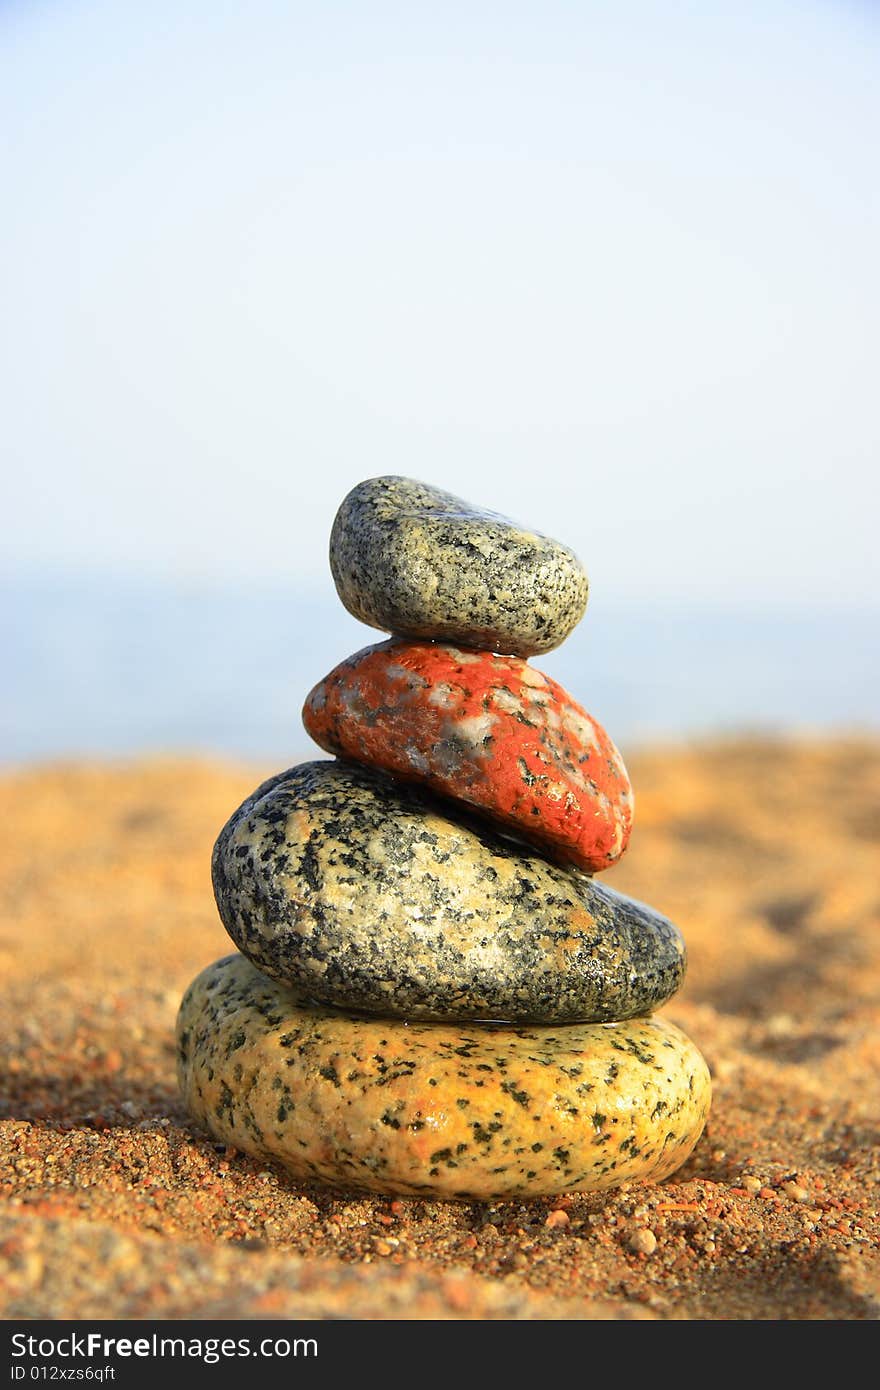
(610, 268)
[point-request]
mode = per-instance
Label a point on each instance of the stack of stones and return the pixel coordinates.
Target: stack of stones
(434, 996)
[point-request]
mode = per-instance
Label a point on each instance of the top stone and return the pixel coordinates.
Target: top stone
(410, 559)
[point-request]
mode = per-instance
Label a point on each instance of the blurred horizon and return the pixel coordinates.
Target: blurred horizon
(100, 670)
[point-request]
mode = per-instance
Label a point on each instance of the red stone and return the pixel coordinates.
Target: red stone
(485, 729)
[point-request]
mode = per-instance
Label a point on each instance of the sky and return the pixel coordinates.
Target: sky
(609, 269)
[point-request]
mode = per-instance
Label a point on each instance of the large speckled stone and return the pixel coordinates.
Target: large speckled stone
(440, 1109)
(488, 730)
(411, 559)
(365, 892)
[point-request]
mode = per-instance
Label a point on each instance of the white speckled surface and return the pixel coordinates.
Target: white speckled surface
(371, 894)
(412, 559)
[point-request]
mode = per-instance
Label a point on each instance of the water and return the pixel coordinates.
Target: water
(106, 668)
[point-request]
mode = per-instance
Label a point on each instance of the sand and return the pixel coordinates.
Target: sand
(115, 1205)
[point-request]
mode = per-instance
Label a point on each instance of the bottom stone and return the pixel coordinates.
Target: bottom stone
(435, 1109)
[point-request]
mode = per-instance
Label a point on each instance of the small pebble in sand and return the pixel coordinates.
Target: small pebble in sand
(557, 1218)
(795, 1192)
(752, 1185)
(643, 1241)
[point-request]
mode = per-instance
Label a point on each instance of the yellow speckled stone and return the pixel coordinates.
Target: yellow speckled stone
(431, 1108)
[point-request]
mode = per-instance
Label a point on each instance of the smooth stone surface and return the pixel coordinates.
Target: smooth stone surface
(488, 730)
(446, 1110)
(411, 559)
(363, 891)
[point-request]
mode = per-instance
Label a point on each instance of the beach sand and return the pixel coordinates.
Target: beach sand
(115, 1205)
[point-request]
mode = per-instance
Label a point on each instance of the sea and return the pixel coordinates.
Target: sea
(98, 667)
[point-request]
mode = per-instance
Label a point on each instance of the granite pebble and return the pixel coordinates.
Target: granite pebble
(414, 560)
(443, 1110)
(370, 893)
(488, 730)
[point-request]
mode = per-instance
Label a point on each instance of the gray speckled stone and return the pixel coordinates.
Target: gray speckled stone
(364, 892)
(444, 1110)
(408, 558)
